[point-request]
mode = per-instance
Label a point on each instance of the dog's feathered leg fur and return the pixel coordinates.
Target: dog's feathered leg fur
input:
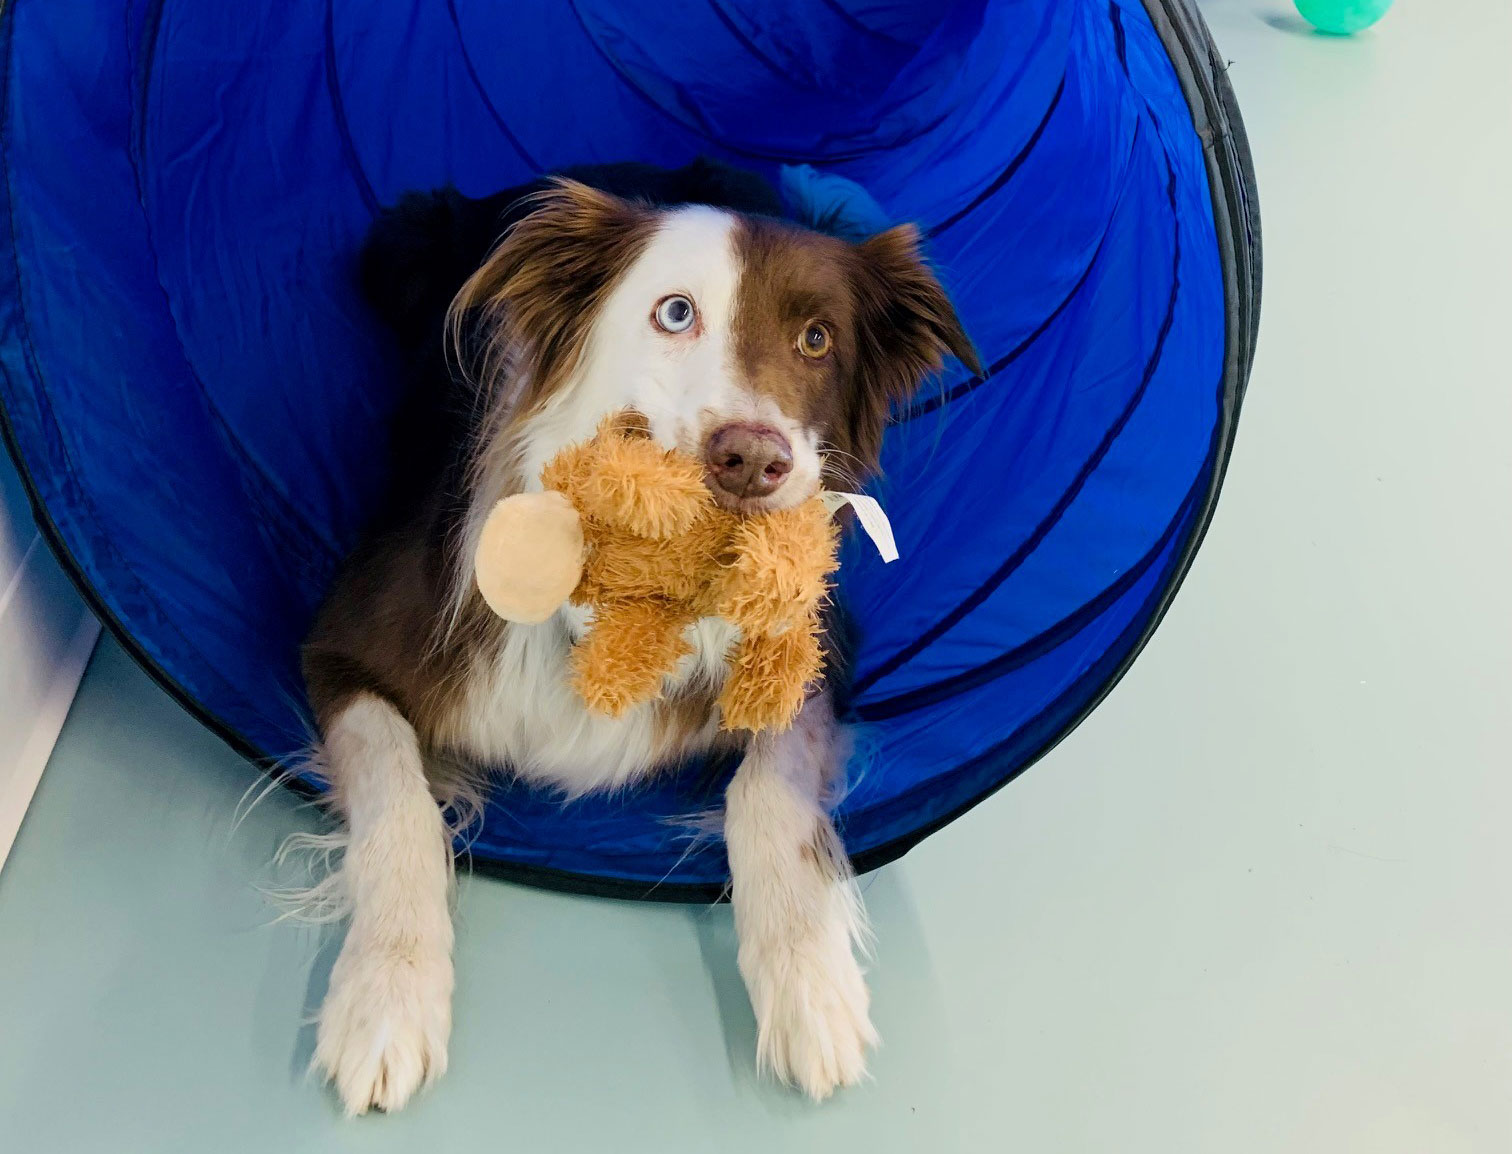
(798, 914)
(386, 1020)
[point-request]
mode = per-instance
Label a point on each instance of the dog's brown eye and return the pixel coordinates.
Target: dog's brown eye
(815, 341)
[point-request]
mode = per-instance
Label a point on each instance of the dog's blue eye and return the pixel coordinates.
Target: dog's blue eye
(675, 314)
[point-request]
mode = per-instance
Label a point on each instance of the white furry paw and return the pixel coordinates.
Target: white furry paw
(812, 1025)
(385, 1024)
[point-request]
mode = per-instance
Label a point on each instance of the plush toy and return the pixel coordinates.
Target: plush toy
(629, 530)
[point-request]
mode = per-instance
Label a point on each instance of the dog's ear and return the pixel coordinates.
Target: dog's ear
(906, 325)
(541, 288)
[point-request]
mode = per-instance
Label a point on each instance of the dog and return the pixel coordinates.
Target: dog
(772, 350)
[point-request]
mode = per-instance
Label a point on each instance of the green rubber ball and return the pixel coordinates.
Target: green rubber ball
(1342, 17)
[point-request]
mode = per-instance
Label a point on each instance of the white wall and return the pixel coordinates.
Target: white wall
(46, 637)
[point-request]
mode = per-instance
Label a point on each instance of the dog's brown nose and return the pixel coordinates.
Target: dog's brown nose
(749, 460)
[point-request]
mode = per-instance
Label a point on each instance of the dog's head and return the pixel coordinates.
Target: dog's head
(771, 351)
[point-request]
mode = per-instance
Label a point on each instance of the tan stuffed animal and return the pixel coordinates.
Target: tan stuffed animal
(630, 530)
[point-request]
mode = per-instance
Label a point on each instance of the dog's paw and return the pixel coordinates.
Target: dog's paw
(384, 1025)
(812, 1025)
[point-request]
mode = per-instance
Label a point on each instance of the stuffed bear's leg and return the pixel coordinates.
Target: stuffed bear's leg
(798, 913)
(769, 677)
(629, 649)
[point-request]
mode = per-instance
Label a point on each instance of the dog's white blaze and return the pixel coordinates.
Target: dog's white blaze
(684, 384)
(629, 362)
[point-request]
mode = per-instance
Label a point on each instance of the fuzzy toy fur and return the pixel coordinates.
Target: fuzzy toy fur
(658, 554)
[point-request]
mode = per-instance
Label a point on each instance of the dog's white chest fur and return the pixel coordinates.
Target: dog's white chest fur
(520, 709)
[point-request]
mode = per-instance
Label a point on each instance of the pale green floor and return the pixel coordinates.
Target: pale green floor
(1262, 901)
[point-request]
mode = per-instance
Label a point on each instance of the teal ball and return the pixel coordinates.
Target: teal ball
(1342, 17)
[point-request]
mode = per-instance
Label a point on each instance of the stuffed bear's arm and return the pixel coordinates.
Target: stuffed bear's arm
(530, 556)
(769, 679)
(778, 570)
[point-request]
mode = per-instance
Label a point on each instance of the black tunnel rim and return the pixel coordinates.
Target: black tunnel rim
(1202, 73)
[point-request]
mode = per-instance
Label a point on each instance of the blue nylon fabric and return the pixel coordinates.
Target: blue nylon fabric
(199, 396)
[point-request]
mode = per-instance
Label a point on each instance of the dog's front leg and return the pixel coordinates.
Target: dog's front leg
(387, 1015)
(798, 914)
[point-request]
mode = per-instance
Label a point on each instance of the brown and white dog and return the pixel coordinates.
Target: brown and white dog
(773, 351)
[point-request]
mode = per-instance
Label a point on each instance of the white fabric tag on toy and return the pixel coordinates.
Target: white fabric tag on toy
(869, 513)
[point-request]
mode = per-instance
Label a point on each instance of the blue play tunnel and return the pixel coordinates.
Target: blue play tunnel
(198, 398)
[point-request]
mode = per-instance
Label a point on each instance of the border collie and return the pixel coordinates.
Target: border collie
(692, 302)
